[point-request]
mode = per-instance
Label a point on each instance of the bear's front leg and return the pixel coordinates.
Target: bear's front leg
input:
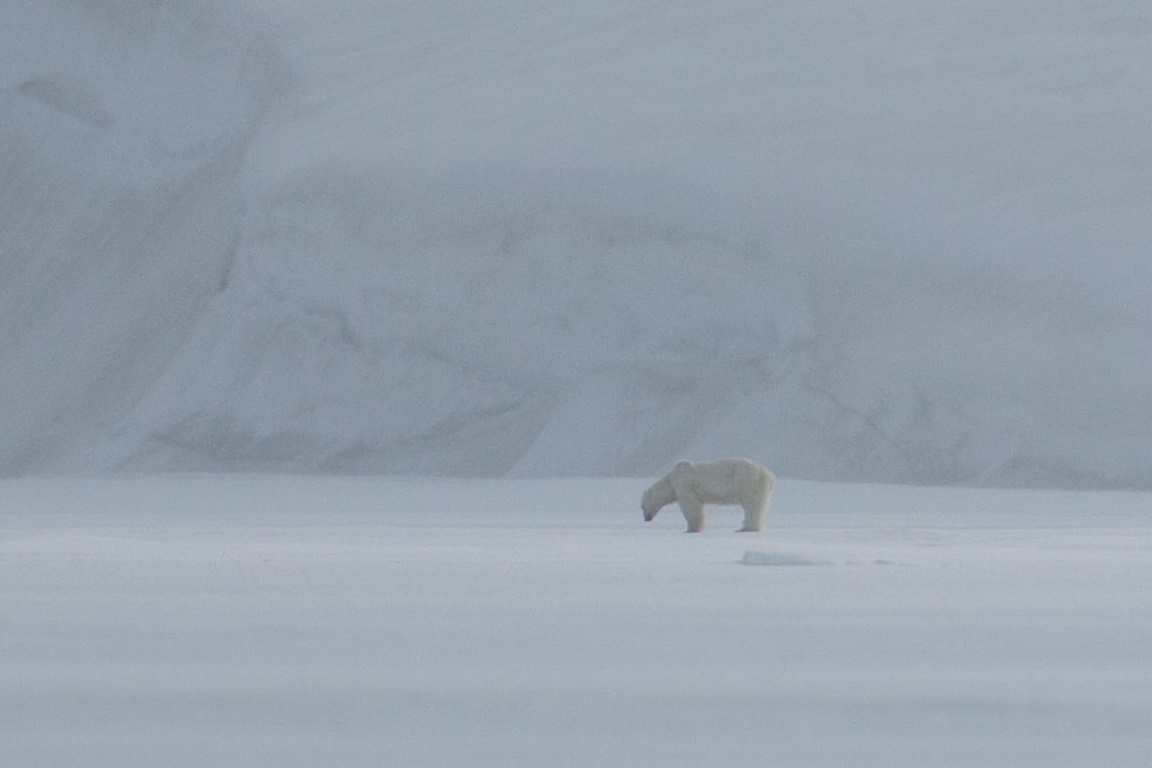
(693, 514)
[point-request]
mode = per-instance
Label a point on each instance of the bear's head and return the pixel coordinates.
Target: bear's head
(650, 505)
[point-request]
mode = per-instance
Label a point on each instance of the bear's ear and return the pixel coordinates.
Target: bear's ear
(683, 464)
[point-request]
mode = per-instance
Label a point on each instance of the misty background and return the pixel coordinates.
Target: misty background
(871, 242)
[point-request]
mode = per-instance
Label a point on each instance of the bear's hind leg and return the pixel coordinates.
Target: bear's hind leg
(753, 518)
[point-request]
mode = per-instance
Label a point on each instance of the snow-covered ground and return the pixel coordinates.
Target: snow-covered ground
(286, 621)
(857, 241)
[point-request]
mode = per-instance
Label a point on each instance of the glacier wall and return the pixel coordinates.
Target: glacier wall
(499, 238)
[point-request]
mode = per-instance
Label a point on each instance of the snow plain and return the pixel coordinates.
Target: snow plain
(290, 621)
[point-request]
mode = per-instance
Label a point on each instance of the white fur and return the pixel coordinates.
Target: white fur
(728, 481)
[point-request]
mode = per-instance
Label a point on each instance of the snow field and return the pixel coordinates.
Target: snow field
(283, 621)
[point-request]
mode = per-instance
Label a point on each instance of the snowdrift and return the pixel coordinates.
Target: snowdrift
(889, 245)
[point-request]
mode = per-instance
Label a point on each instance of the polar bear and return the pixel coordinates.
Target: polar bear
(728, 481)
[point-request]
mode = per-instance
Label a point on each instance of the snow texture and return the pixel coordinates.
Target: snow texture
(882, 241)
(753, 557)
(243, 622)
